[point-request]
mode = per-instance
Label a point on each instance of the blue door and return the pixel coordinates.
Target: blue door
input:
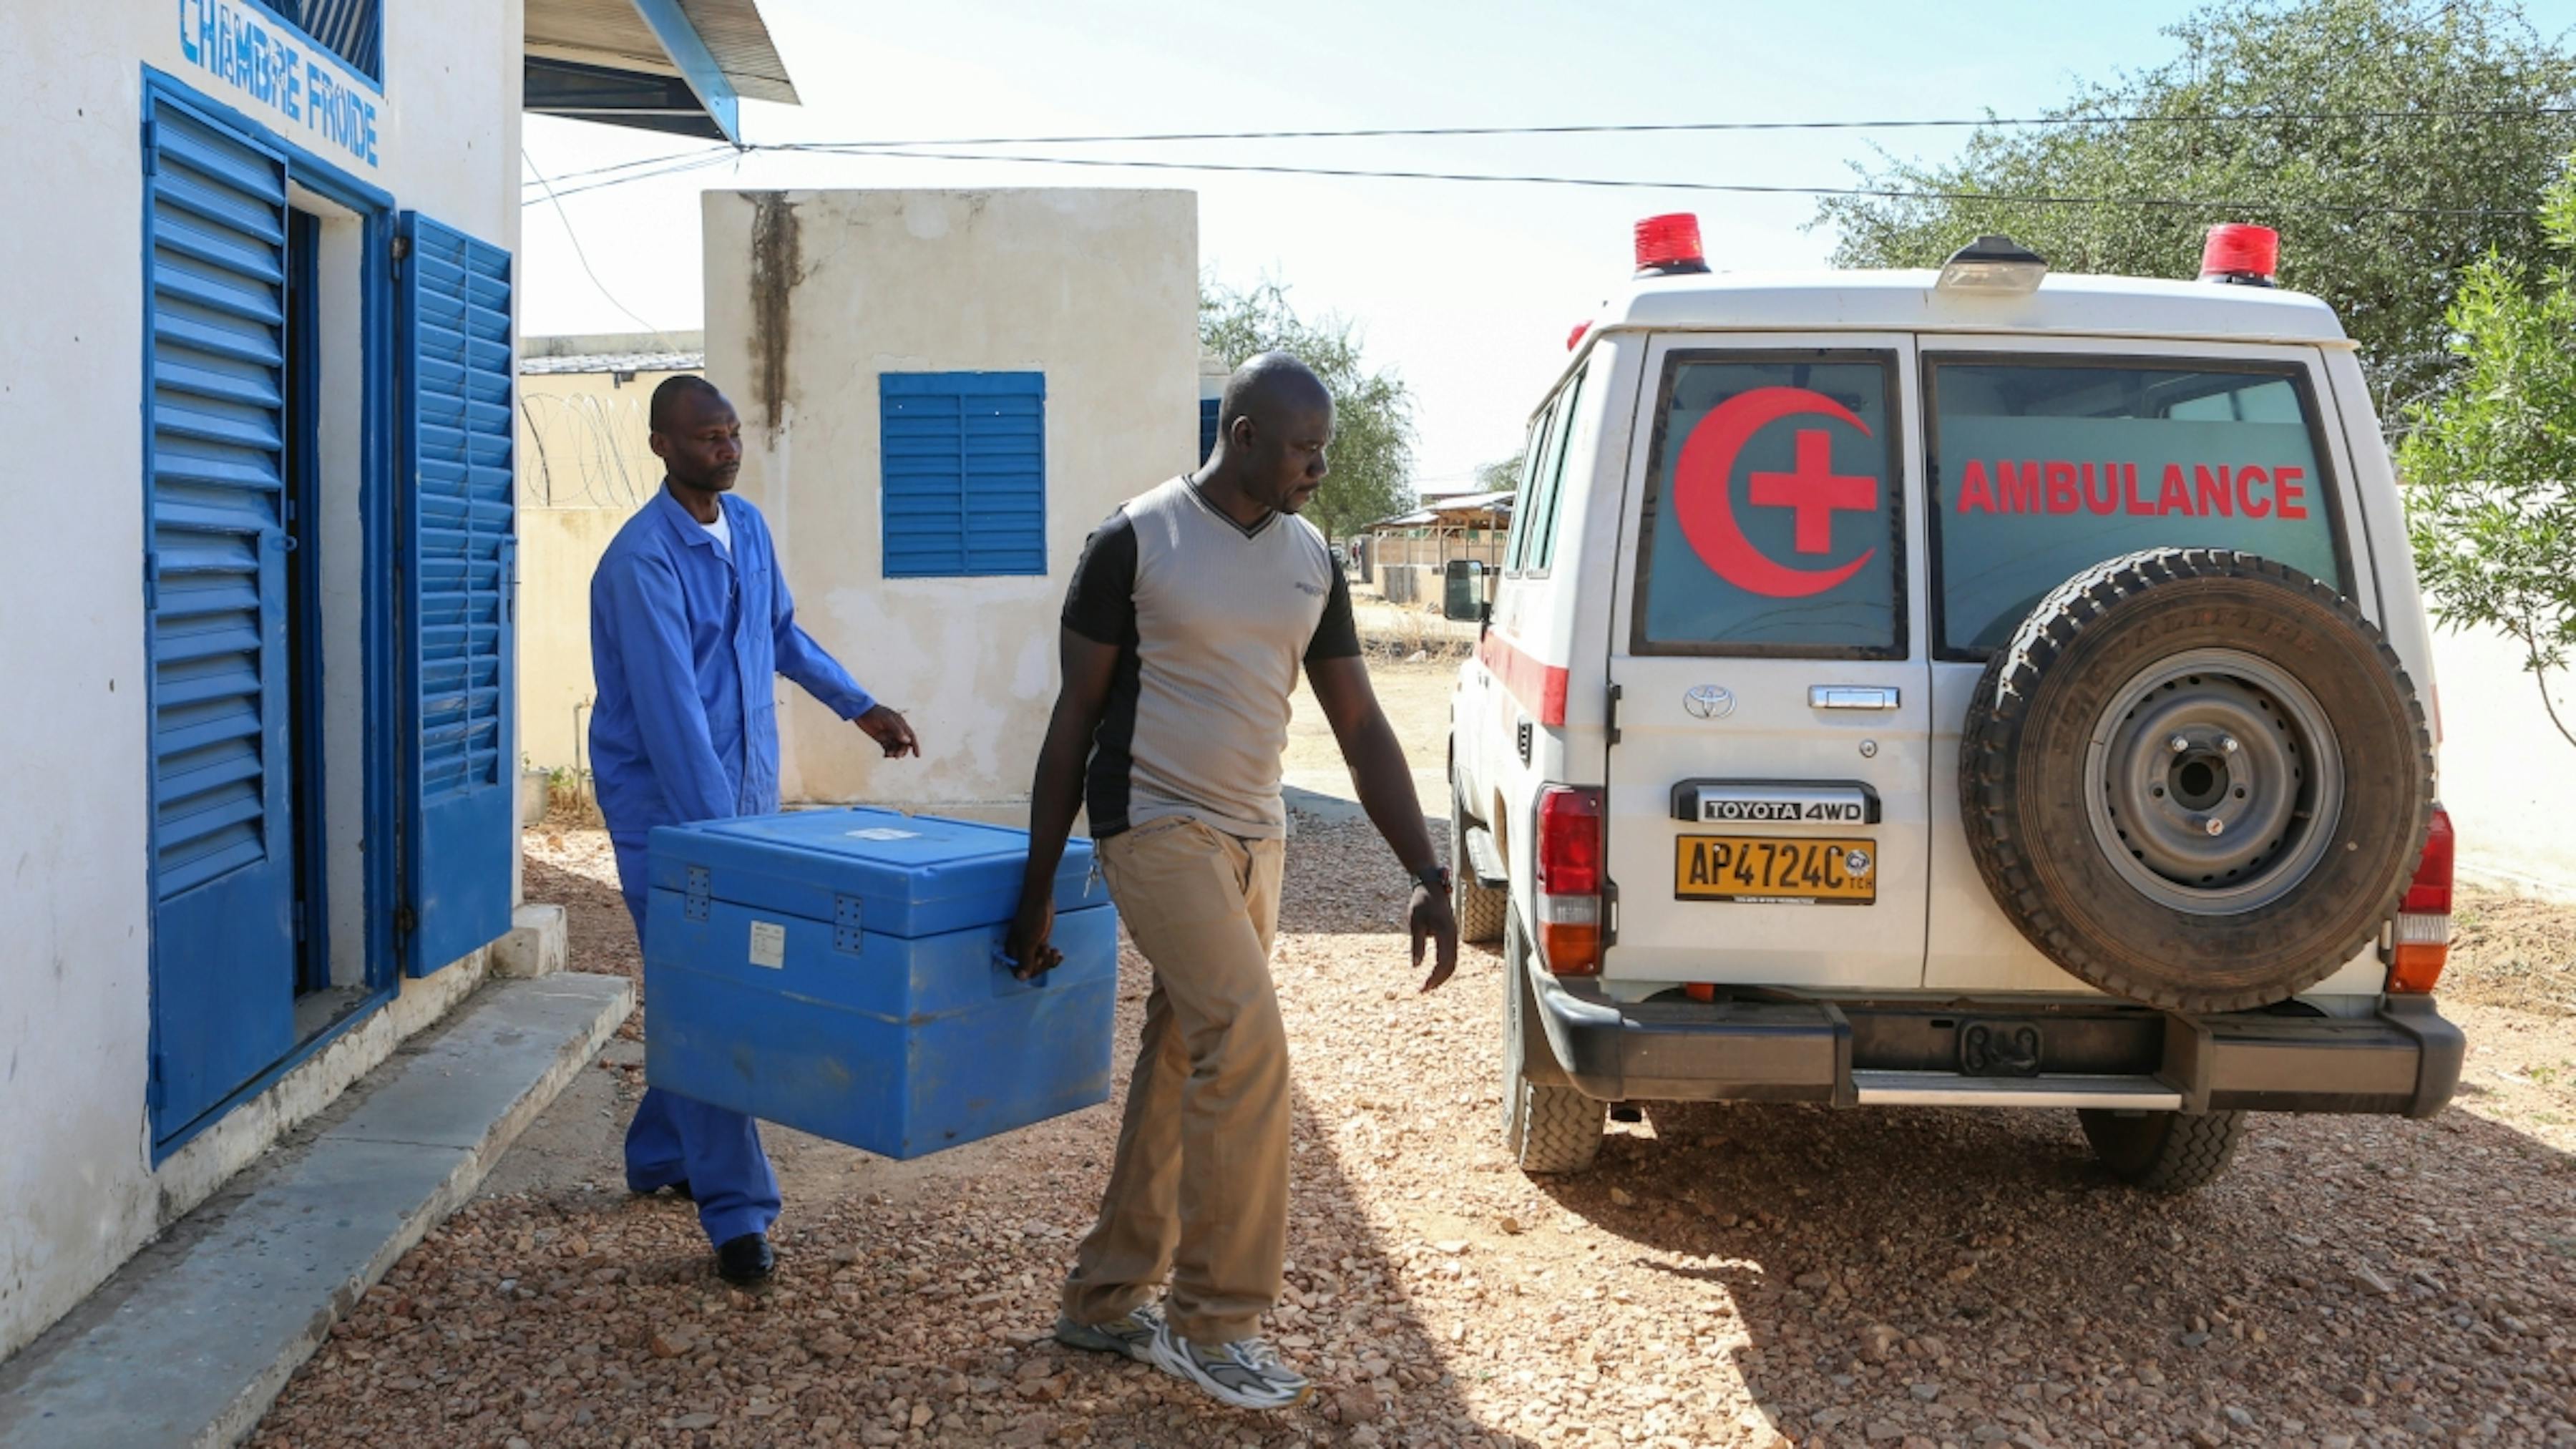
(214, 577)
(459, 546)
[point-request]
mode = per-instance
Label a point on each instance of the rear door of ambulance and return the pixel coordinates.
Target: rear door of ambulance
(1768, 811)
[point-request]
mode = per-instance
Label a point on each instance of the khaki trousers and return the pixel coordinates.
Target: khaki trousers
(1199, 1190)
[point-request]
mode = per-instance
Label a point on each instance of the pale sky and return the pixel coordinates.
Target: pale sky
(1467, 290)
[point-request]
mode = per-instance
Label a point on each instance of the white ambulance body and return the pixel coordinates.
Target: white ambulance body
(1793, 552)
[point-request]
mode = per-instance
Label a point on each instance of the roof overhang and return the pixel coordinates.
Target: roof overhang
(678, 66)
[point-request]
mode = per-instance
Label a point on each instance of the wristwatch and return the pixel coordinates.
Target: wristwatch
(1433, 878)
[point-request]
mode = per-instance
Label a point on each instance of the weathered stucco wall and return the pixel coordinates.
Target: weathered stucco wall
(812, 295)
(78, 1192)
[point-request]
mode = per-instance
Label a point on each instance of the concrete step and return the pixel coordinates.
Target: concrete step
(192, 1339)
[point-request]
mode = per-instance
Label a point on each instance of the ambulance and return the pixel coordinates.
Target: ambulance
(1975, 688)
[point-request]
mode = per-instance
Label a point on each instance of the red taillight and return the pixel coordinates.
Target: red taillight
(2420, 945)
(2431, 892)
(1670, 244)
(1569, 880)
(2240, 252)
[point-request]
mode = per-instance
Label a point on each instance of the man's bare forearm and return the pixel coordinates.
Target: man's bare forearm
(1055, 797)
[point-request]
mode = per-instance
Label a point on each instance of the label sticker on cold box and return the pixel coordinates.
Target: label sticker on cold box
(769, 945)
(880, 832)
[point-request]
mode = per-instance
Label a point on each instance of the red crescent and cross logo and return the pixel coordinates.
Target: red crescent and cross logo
(1812, 491)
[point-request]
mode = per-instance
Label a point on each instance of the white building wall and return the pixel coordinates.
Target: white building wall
(810, 296)
(2508, 776)
(78, 1193)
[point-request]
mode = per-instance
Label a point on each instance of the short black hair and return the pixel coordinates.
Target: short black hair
(1264, 384)
(668, 395)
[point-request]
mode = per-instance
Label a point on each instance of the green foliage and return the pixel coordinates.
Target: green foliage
(1504, 476)
(2491, 468)
(2328, 165)
(1372, 452)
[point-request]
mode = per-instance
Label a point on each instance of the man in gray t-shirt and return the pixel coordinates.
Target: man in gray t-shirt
(1191, 611)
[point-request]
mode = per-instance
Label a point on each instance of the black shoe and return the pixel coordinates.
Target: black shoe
(678, 1189)
(746, 1260)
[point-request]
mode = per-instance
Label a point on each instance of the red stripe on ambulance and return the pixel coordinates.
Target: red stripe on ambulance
(1539, 686)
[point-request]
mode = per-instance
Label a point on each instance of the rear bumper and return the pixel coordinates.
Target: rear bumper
(2404, 1060)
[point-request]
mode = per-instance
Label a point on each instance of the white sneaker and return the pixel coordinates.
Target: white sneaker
(1131, 1333)
(1246, 1373)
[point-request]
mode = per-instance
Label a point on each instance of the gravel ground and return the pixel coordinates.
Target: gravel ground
(1728, 1275)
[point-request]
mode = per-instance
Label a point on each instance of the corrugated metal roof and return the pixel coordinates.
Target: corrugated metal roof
(739, 40)
(612, 33)
(615, 362)
(1468, 502)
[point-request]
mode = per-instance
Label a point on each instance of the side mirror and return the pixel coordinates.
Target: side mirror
(1463, 591)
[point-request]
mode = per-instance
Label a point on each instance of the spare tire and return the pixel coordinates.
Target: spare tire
(2197, 779)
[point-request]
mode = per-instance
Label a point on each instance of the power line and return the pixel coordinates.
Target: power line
(690, 162)
(2196, 118)
(584, 257)
(2206, 118)
(1734, 187)
(701, 153)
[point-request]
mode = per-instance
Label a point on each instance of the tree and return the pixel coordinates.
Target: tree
(1502, 477)
(2490, 469)
(2333, 160)
(1372, 452)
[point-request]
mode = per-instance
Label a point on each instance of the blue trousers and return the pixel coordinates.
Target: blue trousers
(680, 1139)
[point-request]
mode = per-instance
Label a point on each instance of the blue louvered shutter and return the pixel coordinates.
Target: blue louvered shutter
(964, 458)
(459, 550)
(214, 579)
(1208, 408)
(351, 29)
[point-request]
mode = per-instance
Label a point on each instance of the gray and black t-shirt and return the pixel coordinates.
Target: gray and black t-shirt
(1211, 620)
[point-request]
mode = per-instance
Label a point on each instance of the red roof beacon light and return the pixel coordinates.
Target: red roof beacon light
(2241, 253)
(1995, 264)
(1574, 339)
(1668, 245)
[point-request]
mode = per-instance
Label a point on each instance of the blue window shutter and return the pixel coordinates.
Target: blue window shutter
(214, 586)
(351, 29)
(1207, 426)
(964, 466)
(459, 551)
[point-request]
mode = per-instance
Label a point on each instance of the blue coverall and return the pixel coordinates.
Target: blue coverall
(685, 640)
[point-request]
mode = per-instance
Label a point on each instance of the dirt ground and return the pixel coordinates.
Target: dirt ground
(1415, 696)
(1728, 1275)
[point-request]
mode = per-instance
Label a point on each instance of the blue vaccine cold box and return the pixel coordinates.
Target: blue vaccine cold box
(839, 972)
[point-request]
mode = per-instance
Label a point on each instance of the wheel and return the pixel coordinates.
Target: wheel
(2164, 1151)
(1479, 909)
(1549, 1128)
(2197, 779)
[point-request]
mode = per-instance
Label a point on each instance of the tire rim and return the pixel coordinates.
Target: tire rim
(2219, 782)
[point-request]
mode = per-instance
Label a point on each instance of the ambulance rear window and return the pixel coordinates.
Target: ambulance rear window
(2043, 468)
(1772, 523)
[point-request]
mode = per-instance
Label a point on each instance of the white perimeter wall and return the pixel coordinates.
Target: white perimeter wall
(810, 296)
(77, 1192)
(2508, 778)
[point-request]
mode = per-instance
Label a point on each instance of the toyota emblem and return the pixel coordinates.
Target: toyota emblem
(1709, 701)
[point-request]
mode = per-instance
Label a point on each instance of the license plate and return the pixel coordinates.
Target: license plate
(1763, 870)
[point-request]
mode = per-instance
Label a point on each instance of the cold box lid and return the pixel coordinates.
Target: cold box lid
(910, 875)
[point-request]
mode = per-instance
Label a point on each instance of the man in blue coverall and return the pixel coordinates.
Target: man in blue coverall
(689, 621)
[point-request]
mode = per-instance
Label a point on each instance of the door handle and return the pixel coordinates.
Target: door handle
(1852, 696)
